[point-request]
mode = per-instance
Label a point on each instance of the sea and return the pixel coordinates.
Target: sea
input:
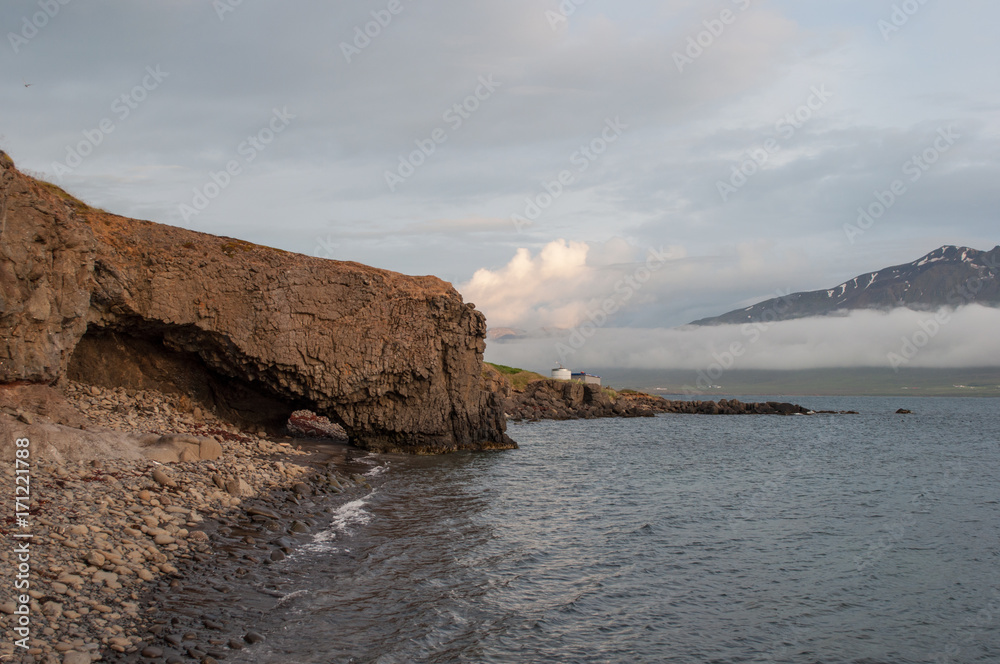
(870, 538)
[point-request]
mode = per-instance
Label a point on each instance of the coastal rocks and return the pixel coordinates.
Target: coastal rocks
(562, 400)
(246, 331)
(122, 536)
(307, 424)
(174, 448)
(162, 478)
(565, 400)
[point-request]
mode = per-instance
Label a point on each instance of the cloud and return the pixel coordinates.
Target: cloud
(965, 337)
(538, 290)
(323, 181)
(562, 284)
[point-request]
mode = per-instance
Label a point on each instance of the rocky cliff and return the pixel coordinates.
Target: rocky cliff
(252, 332)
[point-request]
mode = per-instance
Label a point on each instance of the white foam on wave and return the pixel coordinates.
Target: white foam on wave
(349, 514)
(289, 597)
(377, 470)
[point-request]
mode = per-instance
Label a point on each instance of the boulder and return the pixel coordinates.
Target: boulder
(174, 448)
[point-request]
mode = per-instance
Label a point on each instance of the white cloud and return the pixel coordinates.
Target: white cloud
(962, 338)
(536, 291)
(559, 286)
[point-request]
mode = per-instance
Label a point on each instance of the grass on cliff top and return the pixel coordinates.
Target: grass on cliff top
(519, 378)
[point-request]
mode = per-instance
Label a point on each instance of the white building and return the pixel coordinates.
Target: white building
(587, 378)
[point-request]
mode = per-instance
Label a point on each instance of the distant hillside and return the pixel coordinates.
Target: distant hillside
(500, 333)
(947, 276)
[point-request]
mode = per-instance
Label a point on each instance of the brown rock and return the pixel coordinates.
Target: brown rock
(46, 272)
(243, 329)
(162, 478)
(174, 448)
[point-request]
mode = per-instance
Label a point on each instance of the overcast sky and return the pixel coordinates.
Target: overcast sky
(610, 129)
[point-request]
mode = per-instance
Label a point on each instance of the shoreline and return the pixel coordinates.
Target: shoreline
(113, 537)
(139, 561)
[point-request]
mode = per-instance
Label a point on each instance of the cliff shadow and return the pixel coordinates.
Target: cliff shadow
(142, 361)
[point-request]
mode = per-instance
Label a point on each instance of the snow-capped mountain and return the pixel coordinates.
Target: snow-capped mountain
(949, 276)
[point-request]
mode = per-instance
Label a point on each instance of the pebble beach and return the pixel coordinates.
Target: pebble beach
(110, 538)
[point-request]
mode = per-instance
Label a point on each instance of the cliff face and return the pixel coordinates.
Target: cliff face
(396, 360)
(46, 258)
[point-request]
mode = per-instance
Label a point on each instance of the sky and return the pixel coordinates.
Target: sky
(539, 153)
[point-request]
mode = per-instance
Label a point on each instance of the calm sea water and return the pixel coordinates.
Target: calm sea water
(867, 538)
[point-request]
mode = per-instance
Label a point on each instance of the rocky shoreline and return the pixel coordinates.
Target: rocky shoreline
(114, 538)
(548, 399)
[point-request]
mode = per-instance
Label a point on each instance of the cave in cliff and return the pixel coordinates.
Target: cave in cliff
(143, 360)
(250, 332)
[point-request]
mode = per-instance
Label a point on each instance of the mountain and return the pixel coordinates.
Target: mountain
(949, 276)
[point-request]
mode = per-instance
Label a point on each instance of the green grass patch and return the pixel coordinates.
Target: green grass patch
(504, 369)
(519, 378)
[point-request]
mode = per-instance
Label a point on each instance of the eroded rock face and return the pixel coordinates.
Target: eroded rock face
(46, 259)
(396, 360)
